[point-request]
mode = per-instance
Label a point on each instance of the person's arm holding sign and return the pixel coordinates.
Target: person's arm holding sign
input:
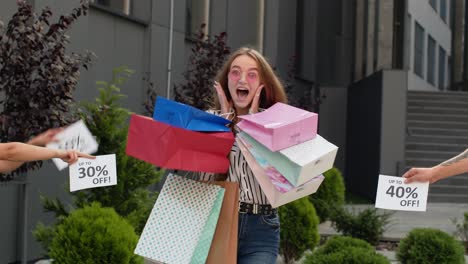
(40, 140)
(14, 154)
(454, 166)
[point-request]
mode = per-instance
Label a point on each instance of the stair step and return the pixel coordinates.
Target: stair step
(438, 94)
(428, 154)
(421, 138)
(435, 147)
(423, 162)
(459, 180)
(432, 131)
(447, 189)
(437, 110)
(438, 103)
(447, 198)
(437, 117)
(437, 124)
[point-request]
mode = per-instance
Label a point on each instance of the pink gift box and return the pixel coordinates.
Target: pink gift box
(280, 126)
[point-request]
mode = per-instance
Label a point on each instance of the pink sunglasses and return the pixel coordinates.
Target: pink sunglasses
(235, 75)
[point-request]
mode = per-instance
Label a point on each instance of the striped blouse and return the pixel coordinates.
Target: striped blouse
(239, 171)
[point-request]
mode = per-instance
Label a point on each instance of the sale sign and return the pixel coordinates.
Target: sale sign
(77, 137)
(394, 194)
(92, 173)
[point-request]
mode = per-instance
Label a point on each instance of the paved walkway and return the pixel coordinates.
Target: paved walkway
(438, 215)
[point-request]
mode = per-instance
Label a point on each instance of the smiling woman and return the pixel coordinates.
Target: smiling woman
(245, 84)
(245, 74)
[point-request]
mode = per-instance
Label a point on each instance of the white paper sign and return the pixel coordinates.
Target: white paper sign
(76, 136)
(92, 173)
(394, 194)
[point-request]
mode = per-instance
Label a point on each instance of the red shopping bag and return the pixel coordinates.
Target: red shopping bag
(176, 148)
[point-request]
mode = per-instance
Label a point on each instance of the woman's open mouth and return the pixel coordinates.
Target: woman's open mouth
(242, 93)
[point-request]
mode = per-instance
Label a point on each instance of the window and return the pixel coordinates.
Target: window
(431, 49)
(123, 6)
(433, 3)
(442, 59)
(197, 13)
(418, 49)
(443, 10)
(138, 11)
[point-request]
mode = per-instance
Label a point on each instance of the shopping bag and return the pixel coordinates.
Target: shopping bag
(224, 246)
(280, 126)
(188, 117)
(299, 163)
(276, 187)
(181, 225)
(176, 148)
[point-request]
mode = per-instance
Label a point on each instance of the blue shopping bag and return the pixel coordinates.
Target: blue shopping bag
(188, 117)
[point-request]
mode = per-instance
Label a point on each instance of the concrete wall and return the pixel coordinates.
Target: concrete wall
(332, 120)
(280, 34)
(374, 29)
(458, 52)
(393, 122)
(7, 10)
(9, 193)
(376, 130)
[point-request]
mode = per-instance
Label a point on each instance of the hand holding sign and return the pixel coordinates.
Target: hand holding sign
(75, 137)
(86, 173)
(394, 194)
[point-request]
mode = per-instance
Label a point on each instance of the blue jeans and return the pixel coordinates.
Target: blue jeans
(259, 237)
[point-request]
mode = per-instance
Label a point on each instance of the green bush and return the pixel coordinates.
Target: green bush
(367, 225)
(462, 230)
(350, 256)
(330, 195)
(299, 229)
(338, 243)
(94, 234)
(108, 121)
(430, 246)
(130, 198)
(340, 249)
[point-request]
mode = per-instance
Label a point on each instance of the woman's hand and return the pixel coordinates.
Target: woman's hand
(256, 100)
(420, 175)
(45, 137)
(71, 156)
(225, 104)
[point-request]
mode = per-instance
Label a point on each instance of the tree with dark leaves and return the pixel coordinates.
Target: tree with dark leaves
(37, 76)
(208, 55)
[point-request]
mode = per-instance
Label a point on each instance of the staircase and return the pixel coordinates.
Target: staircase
(437, 129)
